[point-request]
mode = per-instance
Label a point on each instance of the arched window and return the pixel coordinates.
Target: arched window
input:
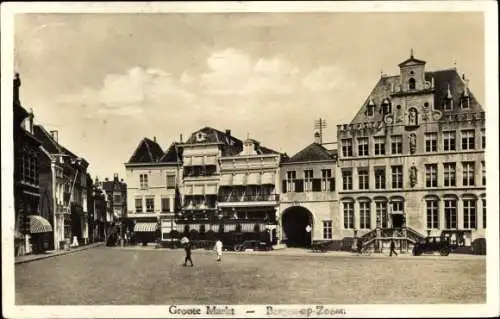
(411, 84)
(386, 107)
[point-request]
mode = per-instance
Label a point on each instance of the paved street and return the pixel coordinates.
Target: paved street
(103, 276)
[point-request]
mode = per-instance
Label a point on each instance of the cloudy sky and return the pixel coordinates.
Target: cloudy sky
(105, 81)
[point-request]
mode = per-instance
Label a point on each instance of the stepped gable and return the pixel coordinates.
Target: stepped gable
(442, 79)
(313, 152)
(148, 151)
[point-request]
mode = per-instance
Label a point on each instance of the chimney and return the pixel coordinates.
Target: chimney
(228, 132)
(31, 116)
(17, 84)
(55, 135)
(317, 138)
(154, 139)
(180, 138)
(115, 176)
(106, 179)
(121, 180)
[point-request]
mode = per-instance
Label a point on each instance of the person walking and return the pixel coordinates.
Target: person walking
(187, 249)
(393, 248)
(218, 249)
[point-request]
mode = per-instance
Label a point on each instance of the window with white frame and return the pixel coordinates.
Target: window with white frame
(468, 140)
(138, 205)
(327, 182)
(450, 174)
(150, 205)
(347, 179)
(397, 206)
(170, 181)
(397, 144)
(449, 141)
(363, 178)
(381, 211)
(468, 174)
(327, 229)
(432, 209)
(380, 178)
(431, 142)
(379, 142)
(363, 146)
(450, 213)
(347, 147)
(431, 175)
(308, 180)
(364, 215)
(348, 208)
(143, 181)
(290, 181)
(397, 176)
(470, 214)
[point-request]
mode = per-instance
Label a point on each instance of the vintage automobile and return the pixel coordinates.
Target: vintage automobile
(432, 244)
(253, 244)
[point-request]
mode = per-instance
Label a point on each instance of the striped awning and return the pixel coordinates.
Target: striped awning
(253, 179)
(145, 227)
(267, 178)
(38, 224)
(226, 179)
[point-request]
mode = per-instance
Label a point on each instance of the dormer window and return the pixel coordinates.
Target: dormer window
(370, 110)
(465, 102)
(411, 84)
(386, 107)
(448, 104)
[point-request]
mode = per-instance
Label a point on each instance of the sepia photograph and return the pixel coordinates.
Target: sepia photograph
(244, 159)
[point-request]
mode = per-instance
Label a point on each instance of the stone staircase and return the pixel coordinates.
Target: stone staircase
(379, 240)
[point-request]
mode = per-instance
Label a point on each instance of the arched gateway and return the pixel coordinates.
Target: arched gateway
(294, 221)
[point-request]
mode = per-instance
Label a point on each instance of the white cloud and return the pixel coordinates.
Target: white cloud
(326, 78)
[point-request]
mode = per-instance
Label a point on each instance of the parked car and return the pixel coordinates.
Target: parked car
(253, 244)
(432, 244)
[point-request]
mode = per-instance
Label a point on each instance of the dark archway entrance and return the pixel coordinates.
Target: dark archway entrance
(294, 222)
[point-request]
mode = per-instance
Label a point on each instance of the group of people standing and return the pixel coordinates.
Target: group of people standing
(188, 247)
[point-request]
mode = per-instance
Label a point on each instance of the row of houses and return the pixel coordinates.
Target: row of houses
(410, 164)
(56, 202)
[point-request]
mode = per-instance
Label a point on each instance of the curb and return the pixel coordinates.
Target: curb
(66, 252)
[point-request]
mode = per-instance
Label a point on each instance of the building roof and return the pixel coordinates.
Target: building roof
(172, 154)
(48, 142)
(259, 149)
(229, 144)
(442, 80)
(148, 151)
(313, 152)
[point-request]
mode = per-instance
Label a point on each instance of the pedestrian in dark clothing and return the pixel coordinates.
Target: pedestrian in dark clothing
(393, 248)
(187, 248)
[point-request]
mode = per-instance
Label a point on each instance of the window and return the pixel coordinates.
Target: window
(347, 179)
(432, 214)
(450, 213)
(465, 102)
(364, 215)
(327, 229)
(308, 177)
(150, 205)
(363, 146)
(143, 180)
(397, 177)
(468, 174)
(431, 142)
(483, 170)
(290, 184)
(450, 174)
(468, 140)
(449, 141)
(448, 104)
(170, 181)
(386, 107)
(138, 205)
(483, 139)
(165, 204)
(327, 182)
(411, 84)
(363, 178)
(381, 210)
(431, 175)
(484, 212)
(370, 110)
(380, 178)
(347, 147)
(397, 206)
(469, 213)
(349, 215)
(379, 145)
(396, 144)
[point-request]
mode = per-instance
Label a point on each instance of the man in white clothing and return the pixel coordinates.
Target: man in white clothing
(218, 249)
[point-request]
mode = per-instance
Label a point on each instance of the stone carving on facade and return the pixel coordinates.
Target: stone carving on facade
(437, 115)
(389, 119)
(413, 143)
(413, 117)
(413, 176)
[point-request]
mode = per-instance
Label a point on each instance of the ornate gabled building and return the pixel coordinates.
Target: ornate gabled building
(308, 207)
(152, 179)
(412, 159)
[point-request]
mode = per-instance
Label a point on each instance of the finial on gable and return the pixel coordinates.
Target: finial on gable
(411, 53)
(449, 92)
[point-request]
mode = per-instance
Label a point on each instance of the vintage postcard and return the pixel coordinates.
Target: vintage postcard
(250, 159)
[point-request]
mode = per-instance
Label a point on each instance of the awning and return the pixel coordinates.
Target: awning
(210, 160)
(268, 179)
(239, 179)
(226, 179)
(253, 179)
(197, 161)
(211, 189)
(38, 224)
(145, 227)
